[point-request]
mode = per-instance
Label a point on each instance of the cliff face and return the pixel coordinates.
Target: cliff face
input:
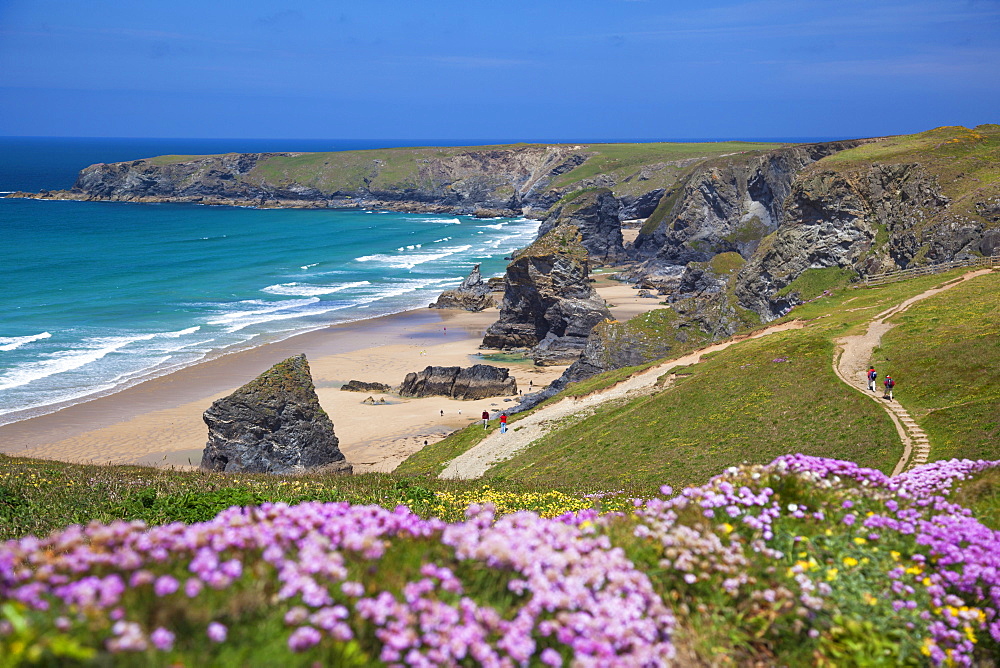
(548, 305)
(917, 200)
(218, 177)
(595, 213)
(725, 205)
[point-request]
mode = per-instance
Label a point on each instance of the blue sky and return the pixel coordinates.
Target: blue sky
(472, 69)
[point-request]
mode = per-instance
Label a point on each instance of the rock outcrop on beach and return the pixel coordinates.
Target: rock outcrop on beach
(594, 213)
(476, 382)
(549, 305)
(361, 386)
(474, 294)
(273, 424)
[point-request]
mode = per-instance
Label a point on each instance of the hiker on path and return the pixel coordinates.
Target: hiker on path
(871, 378)
(503, 423)
(486, 419)
(889, 384)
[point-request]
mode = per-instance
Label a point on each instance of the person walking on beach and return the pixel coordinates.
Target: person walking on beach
(871, 378)
(503, 423)
(889, 384)
(486, 419)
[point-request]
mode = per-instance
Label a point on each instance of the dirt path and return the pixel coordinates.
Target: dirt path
(499, 447)
(850, 363)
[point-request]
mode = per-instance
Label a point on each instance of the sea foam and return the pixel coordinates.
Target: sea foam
(15, 342)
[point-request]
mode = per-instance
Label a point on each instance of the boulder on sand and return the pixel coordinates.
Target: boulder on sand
(273, 424)
(361, 386)
(476, 382)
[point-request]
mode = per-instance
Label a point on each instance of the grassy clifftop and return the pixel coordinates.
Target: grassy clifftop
(635, 168)
(965, 161)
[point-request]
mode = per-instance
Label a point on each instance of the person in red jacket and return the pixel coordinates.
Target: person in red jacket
(486, 419)
(503, 423)
(871, 378)
(889, 384)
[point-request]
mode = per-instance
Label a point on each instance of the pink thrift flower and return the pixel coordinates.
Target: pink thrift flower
(164, 585)
(303, 638)
(217, 632)
(163, 639)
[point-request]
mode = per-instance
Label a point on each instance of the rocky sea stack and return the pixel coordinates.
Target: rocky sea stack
(474, 294)
(594, 212)
(549, 304)
(273, 424)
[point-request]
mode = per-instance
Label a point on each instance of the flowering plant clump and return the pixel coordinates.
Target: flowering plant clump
(804, 560)
(832, 561)
(350, 584)
(452, 505)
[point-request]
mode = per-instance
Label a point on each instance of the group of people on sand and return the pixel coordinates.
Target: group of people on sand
(503, 421)
(887, 384)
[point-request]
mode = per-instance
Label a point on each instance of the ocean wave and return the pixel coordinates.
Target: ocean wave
(15, 342)
(411, 260)
(312, 309)
(180, 333)
(440, 221)
(308, 266)
(306, 290)
(62, 361)
(228, 317)
(497, 226)
(399, 288)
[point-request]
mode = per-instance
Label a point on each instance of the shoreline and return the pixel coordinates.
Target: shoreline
(395, 206)
(158, 422)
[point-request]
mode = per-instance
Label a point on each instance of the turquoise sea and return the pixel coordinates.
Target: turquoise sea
(100, 296)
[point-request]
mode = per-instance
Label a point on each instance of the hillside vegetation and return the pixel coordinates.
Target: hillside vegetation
(765, 397)
(793, 560)
(966, 163)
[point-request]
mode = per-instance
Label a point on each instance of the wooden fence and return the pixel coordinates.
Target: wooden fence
(902, 274)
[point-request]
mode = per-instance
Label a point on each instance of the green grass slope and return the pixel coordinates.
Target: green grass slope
(741, 405)
(625, 162)
(749, 403)
(945, 356)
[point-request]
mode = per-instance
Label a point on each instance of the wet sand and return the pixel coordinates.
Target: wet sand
(158, 422)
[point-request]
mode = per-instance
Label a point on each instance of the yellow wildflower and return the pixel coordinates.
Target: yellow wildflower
(850, 561)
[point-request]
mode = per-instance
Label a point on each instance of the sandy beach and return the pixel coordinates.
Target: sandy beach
(159, 422)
